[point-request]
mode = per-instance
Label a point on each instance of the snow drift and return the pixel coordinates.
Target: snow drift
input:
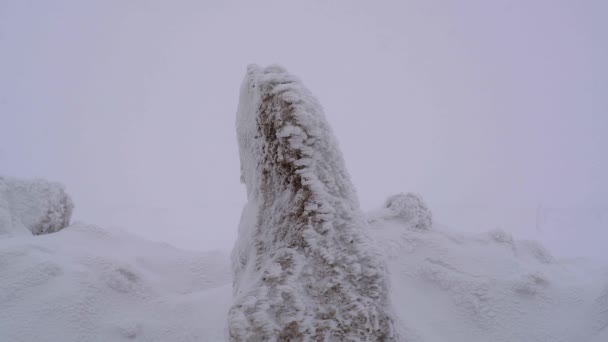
(304, 268)
(33, 207)
(86, 283)
(451, 286)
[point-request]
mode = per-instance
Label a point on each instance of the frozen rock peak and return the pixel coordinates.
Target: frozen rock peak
(304, 266)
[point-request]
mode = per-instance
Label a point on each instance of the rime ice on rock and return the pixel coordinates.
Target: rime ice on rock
(410, 208)
(37, 206)
(304, 268)
(406, 209)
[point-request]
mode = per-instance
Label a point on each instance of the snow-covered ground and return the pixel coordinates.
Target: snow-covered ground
(456, 286)
(86, 283)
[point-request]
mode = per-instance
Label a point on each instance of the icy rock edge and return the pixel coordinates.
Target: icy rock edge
(304, 267)
(33, 206)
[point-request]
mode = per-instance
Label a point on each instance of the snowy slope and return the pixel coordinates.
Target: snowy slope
(85, 283)
(451, 286)
(88, 284)
(32, 207)
(304, 267)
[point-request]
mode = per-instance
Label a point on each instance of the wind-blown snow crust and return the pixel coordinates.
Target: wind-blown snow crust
(304, 267)
(37, 206)
(463, 287)
(86, 283)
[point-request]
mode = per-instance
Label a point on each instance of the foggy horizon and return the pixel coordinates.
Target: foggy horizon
(483, 109)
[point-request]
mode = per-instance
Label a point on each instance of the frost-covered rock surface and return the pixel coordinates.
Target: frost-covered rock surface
(304, 267)
(409, 208)
(86, 284)
(33, 207)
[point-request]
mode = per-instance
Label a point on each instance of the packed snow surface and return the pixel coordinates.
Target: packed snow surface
(451, 286)
(86, 283)
(33, 207)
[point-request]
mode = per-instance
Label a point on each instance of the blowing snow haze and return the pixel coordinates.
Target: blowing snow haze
(494, 111)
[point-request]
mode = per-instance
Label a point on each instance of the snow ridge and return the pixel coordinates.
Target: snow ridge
(87, 283)
(37, 206)
(304, 267)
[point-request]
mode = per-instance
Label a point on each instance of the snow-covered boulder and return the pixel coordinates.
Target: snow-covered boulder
(33, 206)
(304, 267)
(408, 208)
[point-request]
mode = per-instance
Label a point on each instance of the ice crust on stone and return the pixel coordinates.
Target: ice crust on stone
(304, 266)
(408, 208)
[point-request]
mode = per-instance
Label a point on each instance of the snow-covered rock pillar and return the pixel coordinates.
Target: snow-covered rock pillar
(304, 267)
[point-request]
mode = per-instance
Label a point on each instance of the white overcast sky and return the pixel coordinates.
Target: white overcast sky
(131, 104)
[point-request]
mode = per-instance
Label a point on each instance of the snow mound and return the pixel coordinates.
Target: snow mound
(304, 268)
(601, 312)
(88, 284)
(37, 206)
(449, 286)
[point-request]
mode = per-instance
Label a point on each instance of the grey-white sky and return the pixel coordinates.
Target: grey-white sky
(131, 104)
